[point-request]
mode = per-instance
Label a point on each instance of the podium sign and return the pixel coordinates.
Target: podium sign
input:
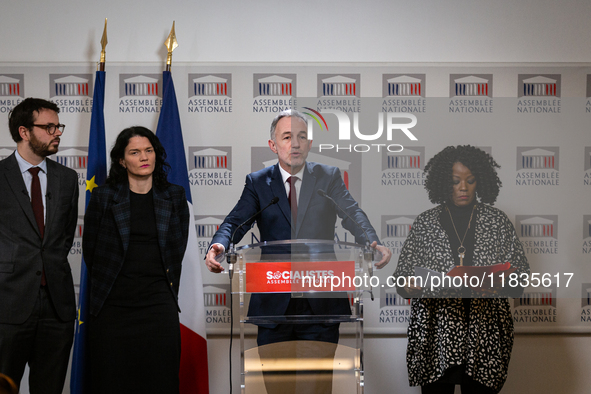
(299, 276)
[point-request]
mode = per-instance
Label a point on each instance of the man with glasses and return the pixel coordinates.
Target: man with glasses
(38, 215)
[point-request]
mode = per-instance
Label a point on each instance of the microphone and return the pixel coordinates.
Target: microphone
(275, 200)
(322, 193)
(231, 256)
(368, 255)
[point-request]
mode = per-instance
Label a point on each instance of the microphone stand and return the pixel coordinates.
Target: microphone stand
(368, 256)
(232, 258)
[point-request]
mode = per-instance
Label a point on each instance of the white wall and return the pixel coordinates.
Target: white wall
(66, 31)
(308, 31)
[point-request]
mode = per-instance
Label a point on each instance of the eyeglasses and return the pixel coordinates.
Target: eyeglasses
(51, 128)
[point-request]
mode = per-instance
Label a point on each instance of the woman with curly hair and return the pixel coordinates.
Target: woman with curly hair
(135, 233)
(460, 336)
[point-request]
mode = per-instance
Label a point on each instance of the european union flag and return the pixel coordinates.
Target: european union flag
(96, 174)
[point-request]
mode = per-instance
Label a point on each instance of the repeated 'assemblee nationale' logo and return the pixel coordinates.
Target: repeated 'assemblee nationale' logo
(339, 91)
(12, 91)
(217, 295)
(404, 93)
(586, 226)
(274, 85)
(217, 304)
(471, 93)
(537, 166)
(534, 85)
(393, 308)
(75, 158)
(210, 165)
(12, 85)
(538, 93)
(403, 85)
(586, 234)
(470, 85)
(339, 85)
(397, 226)
(273, 92)
(395, 229)
(587, 166)
(71, 92)
(76, 248)
(538, 233)
(536, 305)
(586, 301)
(210, 93)
(140, 93)
(404, 168)
(206, 226)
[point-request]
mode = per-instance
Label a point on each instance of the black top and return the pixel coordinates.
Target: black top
(142, 280)
(461, 217)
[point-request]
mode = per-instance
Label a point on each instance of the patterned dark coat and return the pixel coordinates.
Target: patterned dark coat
(439, 335)
(105, 241)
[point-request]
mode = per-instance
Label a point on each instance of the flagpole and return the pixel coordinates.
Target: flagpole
(103, 46)
(194, 371)
(96, 173)
(171, 45)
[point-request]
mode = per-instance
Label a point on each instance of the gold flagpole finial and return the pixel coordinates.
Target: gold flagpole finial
(170, 44)
(103, 45)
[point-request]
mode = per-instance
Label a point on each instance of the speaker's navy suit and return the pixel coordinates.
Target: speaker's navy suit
(316, 219)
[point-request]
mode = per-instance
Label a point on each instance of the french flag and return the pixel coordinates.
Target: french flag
(194, 374)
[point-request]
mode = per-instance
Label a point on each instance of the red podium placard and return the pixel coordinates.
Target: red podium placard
(300, 276)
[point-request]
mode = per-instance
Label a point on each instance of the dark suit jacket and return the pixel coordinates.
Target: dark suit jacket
(23, 253)
(107, 225)
(316, 220)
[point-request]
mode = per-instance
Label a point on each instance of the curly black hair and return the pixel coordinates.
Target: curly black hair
(118, 174)
(439, 180)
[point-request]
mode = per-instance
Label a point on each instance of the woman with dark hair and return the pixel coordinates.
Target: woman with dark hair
(460, 336)
(135, 233)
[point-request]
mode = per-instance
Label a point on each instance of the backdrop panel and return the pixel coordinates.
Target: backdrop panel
(533, 119)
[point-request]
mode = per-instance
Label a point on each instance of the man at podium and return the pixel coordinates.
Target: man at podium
(293, 208)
